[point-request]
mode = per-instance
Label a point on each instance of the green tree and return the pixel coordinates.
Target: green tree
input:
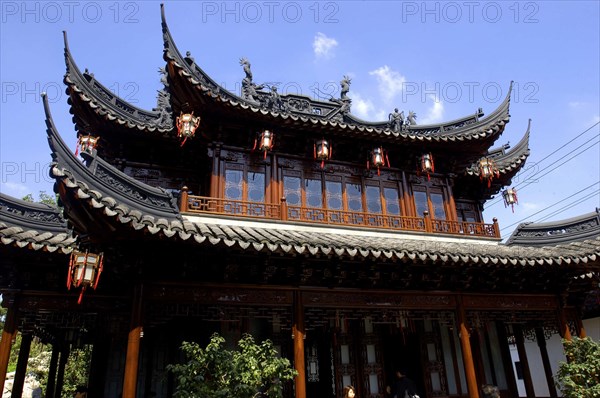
(77, 370)
(214, 372)
(579, 377)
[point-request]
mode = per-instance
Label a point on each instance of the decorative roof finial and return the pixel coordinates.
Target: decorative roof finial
(345, 87)
(411, 118)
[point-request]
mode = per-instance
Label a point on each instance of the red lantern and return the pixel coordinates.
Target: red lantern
(488, 170)
(426, 165)
(187, 124)
(86, 143)
(322, 151)
(264, 142)
(84, 271)
(510, 198)
(379, 158)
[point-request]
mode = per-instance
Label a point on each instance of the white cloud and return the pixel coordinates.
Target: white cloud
(323, 46)
(390, 82)
(530, 206)
(435, 113)
(363, 108)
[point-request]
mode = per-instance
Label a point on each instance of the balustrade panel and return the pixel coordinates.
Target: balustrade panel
(200, 204)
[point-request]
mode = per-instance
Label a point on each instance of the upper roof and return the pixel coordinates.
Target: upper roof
(331, 117)
(98, 105)
(554, 233)
(102, 192)
(508, 163)
(103, 105)
(34, 225)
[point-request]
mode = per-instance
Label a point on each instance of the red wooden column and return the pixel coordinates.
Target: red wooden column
(8, 335)
(580, 329)
(215, 173)
(465, 344)
(21, 371)
(133, 345)
(564, 331)
(299, 334)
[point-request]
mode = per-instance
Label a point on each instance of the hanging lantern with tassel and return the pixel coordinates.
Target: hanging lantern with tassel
(84, 271)
(510, 198)
(187, 124)
(322, 151)
(379, 158)
(264, 142)
(426, 165)
(86, 143)
(488, 170)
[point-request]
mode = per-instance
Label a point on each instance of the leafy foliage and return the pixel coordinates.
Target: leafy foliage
(43, 197)
(580, 376)
(214, 372)
(77, 370)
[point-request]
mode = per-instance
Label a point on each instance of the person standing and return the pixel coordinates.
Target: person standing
(349, 392)
(404, 386)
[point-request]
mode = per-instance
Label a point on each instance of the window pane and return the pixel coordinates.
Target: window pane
(391, 200)
(314, 193)
(437, 200)
(420, 202)
(334, 195)
(256, 186)
(353, 195)
(233, 184)
(373, 199)
(292, 190)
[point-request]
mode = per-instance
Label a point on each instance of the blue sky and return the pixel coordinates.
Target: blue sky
(442, 60)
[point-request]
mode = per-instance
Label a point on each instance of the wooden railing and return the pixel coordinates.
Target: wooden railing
(281, 211)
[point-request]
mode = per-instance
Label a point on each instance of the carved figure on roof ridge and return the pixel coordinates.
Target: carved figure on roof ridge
(345, 87)
(274, 101)
(411, 119)
(246, 64)
(396, 120)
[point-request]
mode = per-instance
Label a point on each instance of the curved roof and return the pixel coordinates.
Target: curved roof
(571, 230)
(34, 225)
(85, 90)
(152, 212)
(304, 112)
(508, 163)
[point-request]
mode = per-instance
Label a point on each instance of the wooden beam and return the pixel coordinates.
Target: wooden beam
(520, 340)
(465, 344)
(62, 363)
(19, 381)
(564, 331)
(51, 381)
(299, 334)
(8, 335)
(507, 361)
(541, 341)
(133, 344)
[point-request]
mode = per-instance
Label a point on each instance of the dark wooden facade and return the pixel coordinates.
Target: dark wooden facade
(351, 270)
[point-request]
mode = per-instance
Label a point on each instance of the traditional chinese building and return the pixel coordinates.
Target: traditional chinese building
(356, 247)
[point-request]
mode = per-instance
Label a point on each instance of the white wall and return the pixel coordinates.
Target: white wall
(556, 354)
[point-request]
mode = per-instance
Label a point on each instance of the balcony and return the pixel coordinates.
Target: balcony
(192, 204)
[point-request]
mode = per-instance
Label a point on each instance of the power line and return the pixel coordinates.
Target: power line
(496, 201)
(552, 205)
(552, 153)
(568, 206)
